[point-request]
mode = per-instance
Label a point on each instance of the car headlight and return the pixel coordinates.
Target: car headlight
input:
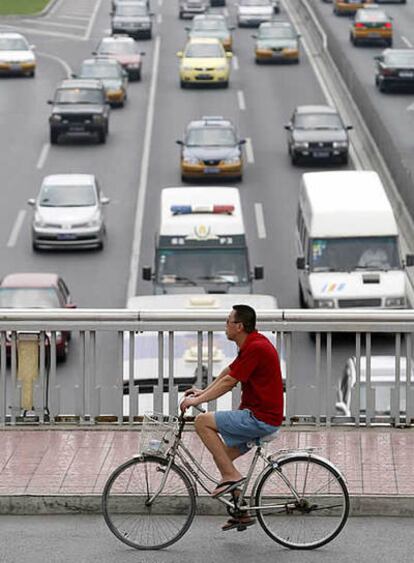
(97, 118)
(95, 221)
(191, 160)
(56, 117)
(324, 304)
(186, 68)
(38, 221)
(301, 145)
(221, 68)
(340, 144)
(232, 160)
(395, 302)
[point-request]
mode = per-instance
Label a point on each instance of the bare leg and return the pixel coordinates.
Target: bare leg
(206, 428)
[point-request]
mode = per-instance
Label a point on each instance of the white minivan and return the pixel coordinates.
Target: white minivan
(348, 246)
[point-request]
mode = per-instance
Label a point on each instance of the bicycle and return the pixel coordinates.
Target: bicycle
(149, 502)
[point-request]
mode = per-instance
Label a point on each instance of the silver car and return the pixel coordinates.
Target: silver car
(68, 212)
(251, 13)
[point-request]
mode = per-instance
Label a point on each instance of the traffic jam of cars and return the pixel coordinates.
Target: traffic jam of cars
(201, 239)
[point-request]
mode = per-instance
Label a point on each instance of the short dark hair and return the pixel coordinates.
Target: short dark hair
(246, 315)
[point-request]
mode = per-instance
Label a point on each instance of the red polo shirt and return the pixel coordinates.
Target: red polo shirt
(257, 366)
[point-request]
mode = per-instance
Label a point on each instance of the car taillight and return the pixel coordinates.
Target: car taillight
(388, 71)
(359, 25)
(388, 25)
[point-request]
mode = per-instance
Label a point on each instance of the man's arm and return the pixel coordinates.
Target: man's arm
(196, 392)
(222, 386)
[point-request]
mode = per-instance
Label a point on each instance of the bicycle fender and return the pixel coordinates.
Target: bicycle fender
(306, 455)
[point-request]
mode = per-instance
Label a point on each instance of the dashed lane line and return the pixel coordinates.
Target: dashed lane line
(241, 100)
(249, 151)
(54, 24)
(261, 227)
(407, 41)
(92, 20)
(235, 62)
(43, 156)
(14, 235)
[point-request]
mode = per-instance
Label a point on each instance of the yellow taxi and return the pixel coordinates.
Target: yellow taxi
(349, 7)
(204, 61)
(371, 25)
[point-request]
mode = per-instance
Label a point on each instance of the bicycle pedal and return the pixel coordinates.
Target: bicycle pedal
(241, 528)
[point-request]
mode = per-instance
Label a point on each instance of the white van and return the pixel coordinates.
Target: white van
(146, 373)
(348, 249)
(201, 245)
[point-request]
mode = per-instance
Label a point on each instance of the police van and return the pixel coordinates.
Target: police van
(187, 358)
(201, 245)
(348, 245)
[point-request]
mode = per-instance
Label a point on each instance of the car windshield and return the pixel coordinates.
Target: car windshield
(276, 33)
(118, 48)
(131, 10)
(209, 25)
(405, 58)
(79, 96)
(318, 121)
(204, 50)
(195, 266)
(372, 16)
(99, 70)
(13, 44)
(31, 297)
(214, 136)
(67, 196)
(348, 254)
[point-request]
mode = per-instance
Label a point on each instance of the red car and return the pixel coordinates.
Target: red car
(123, 49)
(39, 291)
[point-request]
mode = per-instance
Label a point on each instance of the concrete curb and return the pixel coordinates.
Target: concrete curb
(361, 505)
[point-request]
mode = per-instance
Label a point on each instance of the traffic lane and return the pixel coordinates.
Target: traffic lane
(393, 106)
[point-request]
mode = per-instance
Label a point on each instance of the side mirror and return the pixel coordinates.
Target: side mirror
(349, 127)
(124, 73)
(378, 58)
(187, 28)
(73, 75)
(179, 142)
(105, 200)
(32, 47)
(70, 306)
(288, 127)
(50, 102)
(254, 35)
(409, 260)
(258, 272)
(142, 53)
(151, 14)
(180, 54)
(94, 53)
(229, 54)
(31, 201)
(231, 28)
(242, 142)
(147, 273)
(299, 35)
(300, 263)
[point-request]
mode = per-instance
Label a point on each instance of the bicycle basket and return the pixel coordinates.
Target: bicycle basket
(157, 433)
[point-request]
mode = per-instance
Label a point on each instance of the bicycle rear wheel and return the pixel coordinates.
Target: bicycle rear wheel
(129, 515)
(314, 515)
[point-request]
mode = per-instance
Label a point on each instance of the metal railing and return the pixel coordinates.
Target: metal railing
(121, 362)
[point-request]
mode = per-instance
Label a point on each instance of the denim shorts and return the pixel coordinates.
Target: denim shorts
(241, 429)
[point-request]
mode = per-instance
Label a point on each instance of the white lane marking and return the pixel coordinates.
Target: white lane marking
(261, 227)
(92, 20)
(45, 33)
(159, 18)
(43, 156)
(406, 41)
(69, 17)
(249, 150)
(160, 3)
(55, 7)
(54, 24)
(16, 228)
(241, 100)
(410, 107)
(143, 181)
(65, 65)
(235, 62)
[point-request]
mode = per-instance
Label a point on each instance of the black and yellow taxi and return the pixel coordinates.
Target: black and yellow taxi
(349, 7)
(211, 149)
(276, 42)
(371, 25)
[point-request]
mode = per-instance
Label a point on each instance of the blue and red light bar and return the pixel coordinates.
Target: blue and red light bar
(190, 209)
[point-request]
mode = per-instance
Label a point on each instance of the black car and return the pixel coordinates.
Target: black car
(214, 3)
(79, 106)
(318, 133)
(211, 149)
(394, 68)
(190, 8)
(132, 18)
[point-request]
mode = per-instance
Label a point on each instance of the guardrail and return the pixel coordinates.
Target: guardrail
(158, 354)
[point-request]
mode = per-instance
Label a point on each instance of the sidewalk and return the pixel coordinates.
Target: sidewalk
(57, 470)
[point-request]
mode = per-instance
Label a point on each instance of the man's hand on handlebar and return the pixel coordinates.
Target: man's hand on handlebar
(190, 401)
(194, 392)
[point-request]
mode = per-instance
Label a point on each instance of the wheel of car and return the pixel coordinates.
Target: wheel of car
(180, 15)
(389, 43)
(35, 248)
(293, 158)
(101, 245)
(225, 84)
(344, 159)
(182, 84)
(137, 75)
(102, 137)
(382, 86)
(376, 80)
(54, 137)
(32, 74)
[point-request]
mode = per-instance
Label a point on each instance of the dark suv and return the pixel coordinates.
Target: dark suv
(79, 106)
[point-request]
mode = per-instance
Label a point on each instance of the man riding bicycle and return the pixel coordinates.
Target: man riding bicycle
(228, 434)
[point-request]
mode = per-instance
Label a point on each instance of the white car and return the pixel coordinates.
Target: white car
(68, 212)
(16, 55)
(251, 13)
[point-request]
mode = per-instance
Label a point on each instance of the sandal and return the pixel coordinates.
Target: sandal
(241, 523)
(226, 487)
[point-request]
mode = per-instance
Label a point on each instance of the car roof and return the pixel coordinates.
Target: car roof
(100, 59)
(220, 17)
(90, 83)
(31, 279)
(275, 24)
(212, 40)
(118, 37)
(315, 109)
(68, 179)
(200, 301)
(211, 120)
(11, 35)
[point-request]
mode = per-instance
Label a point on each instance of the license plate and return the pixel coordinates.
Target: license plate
(15, 67)
(211, 170)
(76, 128)
(66, 236)
(406, 74)
(204, 77)
(374, 35)
(321, 154)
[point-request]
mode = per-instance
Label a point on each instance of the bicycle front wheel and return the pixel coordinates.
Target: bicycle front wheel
(146, 505)
(304, 502)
